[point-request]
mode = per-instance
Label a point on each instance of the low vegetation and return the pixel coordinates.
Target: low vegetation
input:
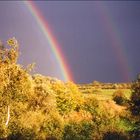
(35, 107)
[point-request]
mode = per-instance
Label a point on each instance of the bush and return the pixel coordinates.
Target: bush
(78, 131)
(135, 108)
(68, 97)
(135, 98)
(43, 97)
(52, 127)
(91, 104)
(78, 125)
(119, 97)
(114, 135)
(103, 116)
(135, 133)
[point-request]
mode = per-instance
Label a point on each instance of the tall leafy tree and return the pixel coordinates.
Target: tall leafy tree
(135, 107)
(135, 98)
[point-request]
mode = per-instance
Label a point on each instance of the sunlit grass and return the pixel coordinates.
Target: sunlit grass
(105, 94)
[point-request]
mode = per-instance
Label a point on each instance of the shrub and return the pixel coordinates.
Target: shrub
(68, 97)
(135, 133)
(52, 127)
(135, 107)
(119, 97)
(78, 131)
(115, 135)
(90, 103)
(26, 125)
(135, 98)
(43, 97)
(78, 125)
(96, 91)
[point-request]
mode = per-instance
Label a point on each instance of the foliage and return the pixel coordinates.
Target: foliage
(104, 116)
(68, 97)
(119, 97)
(78, 125)
(135, 107)
(52, 126)
(135, 98)
(78, 131)
(40, 107)
(91, 104)
(43, 97)
(115, 135)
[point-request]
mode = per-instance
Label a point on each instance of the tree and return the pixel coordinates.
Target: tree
(135, 107)
(68, 97)
(16, 88)
(135, 98)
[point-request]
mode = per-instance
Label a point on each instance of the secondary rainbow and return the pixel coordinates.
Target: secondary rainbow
(115, 39)
(57, 52)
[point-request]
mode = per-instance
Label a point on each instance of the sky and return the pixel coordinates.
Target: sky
(100, 40)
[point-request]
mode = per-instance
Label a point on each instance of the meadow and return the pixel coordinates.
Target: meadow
(105, 94)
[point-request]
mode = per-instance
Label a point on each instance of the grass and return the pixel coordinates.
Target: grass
(105, 94)
(109, 92)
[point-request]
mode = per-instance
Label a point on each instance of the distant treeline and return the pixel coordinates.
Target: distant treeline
(100, 85)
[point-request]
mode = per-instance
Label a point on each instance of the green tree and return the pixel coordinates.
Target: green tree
(135, 98)
(68, 97)
(135, 107)
(15, 89)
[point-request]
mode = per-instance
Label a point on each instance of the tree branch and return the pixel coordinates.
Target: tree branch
(8, 116)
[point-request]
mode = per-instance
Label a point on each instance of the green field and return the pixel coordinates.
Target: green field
(105, 94)
(108, 93)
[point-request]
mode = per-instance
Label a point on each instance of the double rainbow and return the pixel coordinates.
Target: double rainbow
(110, 28)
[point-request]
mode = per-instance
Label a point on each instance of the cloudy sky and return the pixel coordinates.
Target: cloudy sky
(100, 40)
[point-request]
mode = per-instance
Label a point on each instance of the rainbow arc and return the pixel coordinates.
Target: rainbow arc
(53, 44)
